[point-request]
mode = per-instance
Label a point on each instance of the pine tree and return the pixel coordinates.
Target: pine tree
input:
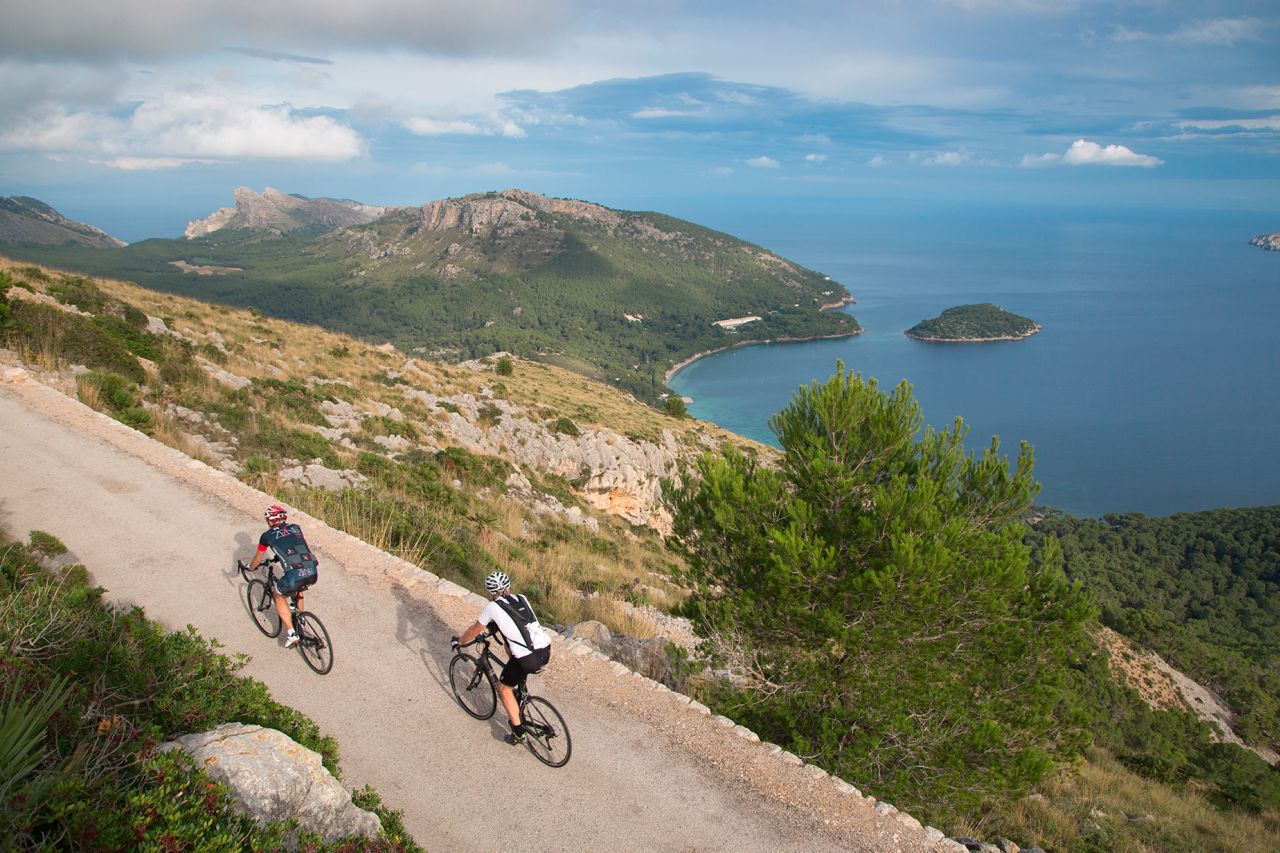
(875, 589)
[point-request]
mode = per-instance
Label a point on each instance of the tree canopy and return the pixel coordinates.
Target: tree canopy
(875, 591)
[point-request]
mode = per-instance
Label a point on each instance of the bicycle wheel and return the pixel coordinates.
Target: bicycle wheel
(313, 642)
(545, 732)
(244, 571)
(262, 608)
(472, 686)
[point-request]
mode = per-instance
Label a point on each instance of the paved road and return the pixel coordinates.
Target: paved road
(161, 531)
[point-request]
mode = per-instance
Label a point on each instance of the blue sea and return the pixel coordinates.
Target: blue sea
(1154, 386)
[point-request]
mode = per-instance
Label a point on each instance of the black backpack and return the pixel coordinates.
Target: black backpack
(517, 607)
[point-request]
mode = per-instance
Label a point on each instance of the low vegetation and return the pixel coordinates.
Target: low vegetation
(87, 693)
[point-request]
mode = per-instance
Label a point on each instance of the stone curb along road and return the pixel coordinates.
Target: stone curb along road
(651, 769)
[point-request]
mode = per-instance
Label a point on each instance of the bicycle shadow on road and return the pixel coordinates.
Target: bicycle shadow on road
(420, 629)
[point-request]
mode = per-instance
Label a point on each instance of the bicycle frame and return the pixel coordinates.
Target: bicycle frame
(486, 666)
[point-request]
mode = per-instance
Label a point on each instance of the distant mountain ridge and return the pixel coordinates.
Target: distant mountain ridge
(277, 212)
(617, 295)
(29, 220)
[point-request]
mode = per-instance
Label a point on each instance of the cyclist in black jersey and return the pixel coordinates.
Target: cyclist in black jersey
(287, 542)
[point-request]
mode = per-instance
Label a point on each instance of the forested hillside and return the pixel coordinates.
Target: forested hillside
(1202, 589)
(616, 295)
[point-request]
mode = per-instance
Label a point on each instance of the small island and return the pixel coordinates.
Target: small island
(1270, 242)
(974, 324)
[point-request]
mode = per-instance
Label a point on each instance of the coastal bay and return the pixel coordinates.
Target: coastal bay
(1152, 386)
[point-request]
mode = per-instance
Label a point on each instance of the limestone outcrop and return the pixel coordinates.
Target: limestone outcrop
(277, 212)
(274, 778)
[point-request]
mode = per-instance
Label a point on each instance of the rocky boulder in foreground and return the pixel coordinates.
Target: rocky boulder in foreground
(274, 778)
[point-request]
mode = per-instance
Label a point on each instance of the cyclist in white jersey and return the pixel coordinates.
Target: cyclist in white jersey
(528, 646)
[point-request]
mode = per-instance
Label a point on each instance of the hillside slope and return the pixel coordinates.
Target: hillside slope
(688, 781)
(616, 295)
(28, 220)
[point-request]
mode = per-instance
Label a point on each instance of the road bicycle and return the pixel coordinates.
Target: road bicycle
(475, 685)
(313, 640)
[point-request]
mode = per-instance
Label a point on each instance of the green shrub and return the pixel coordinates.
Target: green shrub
(505, 366)
(80, 292)
(256, 465)
(129, 336)
(121, 398)
(280, 442)
(46, 544)
(71, 338)
(564, 426)
(137, 418)
(675, 407)
(293, 397)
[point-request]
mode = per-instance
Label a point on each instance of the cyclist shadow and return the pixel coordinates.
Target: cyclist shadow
(245, 548)
(422, 631)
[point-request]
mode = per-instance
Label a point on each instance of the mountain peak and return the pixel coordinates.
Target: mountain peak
(277, 213)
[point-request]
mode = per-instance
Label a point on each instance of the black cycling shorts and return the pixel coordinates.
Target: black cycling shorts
(517, 669)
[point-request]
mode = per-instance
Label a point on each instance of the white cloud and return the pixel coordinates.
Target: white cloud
(722, 171)
(1034, 161)
(663, 112)
(763, 163)
(1218, 31)
(940, 158)
(187, 126)
(91, 29)
(208, 125)
(1085, 153)
(878, 162)
(442, 127)
(493, 126)
(136, 164)
(816, 158)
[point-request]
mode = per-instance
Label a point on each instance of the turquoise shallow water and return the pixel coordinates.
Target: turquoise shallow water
(1153, 387)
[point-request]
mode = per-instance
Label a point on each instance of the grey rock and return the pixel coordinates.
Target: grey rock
(320, 477)
(274, 778)
(594, 633)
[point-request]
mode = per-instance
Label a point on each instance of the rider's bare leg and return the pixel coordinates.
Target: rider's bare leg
(282, 608)
(508, 697)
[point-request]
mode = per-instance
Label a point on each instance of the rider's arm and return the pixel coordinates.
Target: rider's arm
(257, 558)
(471, 633)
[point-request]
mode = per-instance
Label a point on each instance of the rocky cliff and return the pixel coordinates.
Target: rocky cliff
(277, 213)
(27, 220)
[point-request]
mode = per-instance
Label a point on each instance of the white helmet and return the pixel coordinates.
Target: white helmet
(497, 583)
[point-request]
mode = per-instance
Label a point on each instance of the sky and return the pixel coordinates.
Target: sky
(137, 115)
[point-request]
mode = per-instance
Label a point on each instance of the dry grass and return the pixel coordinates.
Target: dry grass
(1102, 805)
